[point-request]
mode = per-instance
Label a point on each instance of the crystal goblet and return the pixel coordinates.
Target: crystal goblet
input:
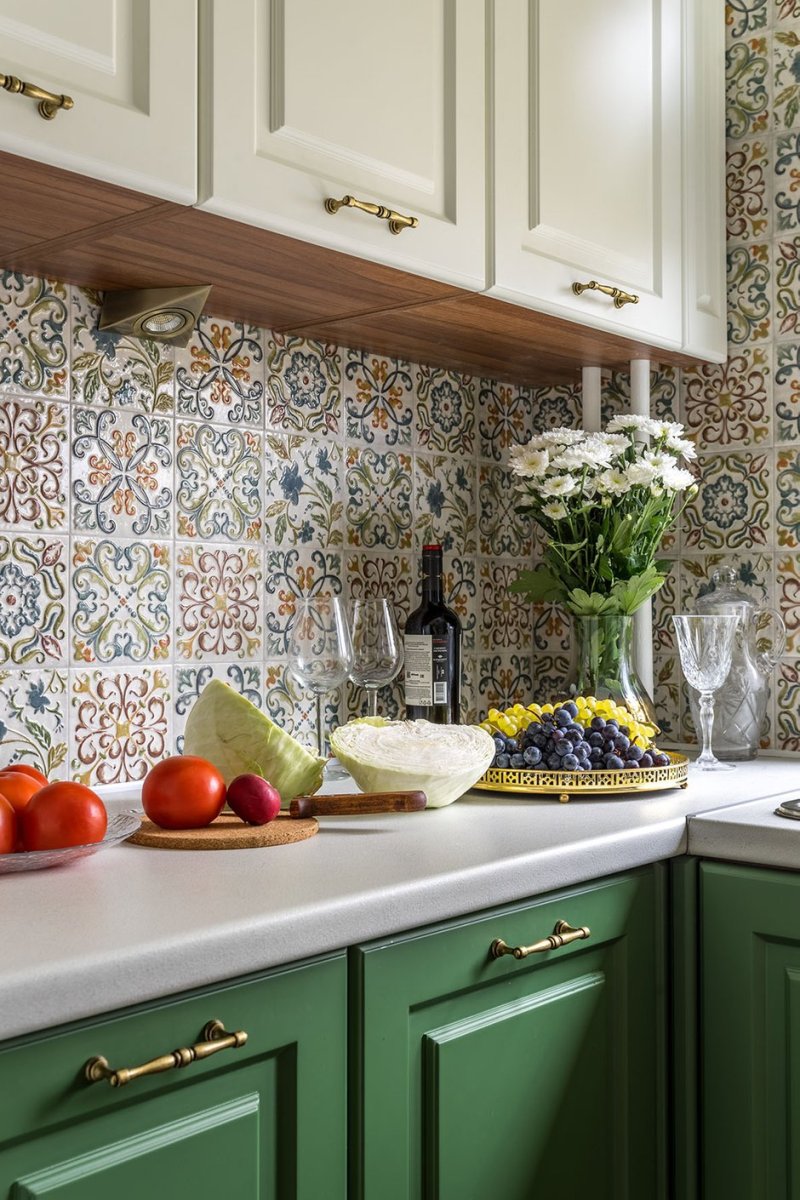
(705, 645)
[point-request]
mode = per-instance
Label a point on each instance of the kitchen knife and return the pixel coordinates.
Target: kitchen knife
(352, 804)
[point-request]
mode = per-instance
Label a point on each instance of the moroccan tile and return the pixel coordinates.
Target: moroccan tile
(551, 628)
(121, 473)
(747, 75)
(787, 499)
(469, 690)
(378, 398)
(33, 336)
(506, 620)
(304, 385)
(666, 601)
(219, 374)
(218, 483)
(303, 491)
(786, 97)
(504, 418)
(551, 673)
(502, 530)
(552, 407)
(748, 294)
(747, 182)
(787, 181)
(666, 697)
(219, 597)
(294, 707)
(729, 404)
(33, 604)
(503, 680)
(787, 392)
(787, 287)
(34, 457)
(389, 576)
(121, 601)
(787, 598)
(664, 394)
(379, 487)
(461, 595)
(445, 503)
(732, 506)
(33, 719)
(745, 16)
(753, 577)
(117, 370)
(786, 12)
(290, 575)
(787, 705)
(120, 724)
(445, 411)
(244, 678)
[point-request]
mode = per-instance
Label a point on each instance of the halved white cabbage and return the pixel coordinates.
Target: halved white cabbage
(441, 760)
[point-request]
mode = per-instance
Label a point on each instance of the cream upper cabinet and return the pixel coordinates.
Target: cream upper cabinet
(587, 161)
(130, 68)
(305, 101)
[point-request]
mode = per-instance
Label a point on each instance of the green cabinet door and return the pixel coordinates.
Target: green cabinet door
(750, 1033)
(264, 1121)
(475, 1078)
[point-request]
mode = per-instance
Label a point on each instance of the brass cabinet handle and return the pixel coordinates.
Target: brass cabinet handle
(562, 935)
(49, 102)
(214, 1038)
(397, 221)
(619, 297)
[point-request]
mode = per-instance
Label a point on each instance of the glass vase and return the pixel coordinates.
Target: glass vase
(605, 667)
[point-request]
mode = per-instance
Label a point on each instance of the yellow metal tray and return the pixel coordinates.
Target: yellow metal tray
(586, 783)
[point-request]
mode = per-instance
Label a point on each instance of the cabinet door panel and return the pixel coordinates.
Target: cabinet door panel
(313, 101)
(129, 66)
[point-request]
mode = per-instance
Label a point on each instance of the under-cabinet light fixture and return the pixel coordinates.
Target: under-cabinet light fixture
(164, 314)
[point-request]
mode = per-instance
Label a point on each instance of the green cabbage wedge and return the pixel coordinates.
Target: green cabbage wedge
(441, 760)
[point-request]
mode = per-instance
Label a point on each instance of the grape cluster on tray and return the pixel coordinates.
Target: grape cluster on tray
(587, 735)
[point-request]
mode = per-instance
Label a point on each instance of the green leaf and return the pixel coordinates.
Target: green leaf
(631, 594)
(538, 585)
(584, 604)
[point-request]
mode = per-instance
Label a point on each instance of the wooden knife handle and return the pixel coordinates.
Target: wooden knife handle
(357, 802)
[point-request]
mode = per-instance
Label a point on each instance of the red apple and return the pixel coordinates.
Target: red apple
(254, 799)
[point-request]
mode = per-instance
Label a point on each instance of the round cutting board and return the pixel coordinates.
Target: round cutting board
(227, 833)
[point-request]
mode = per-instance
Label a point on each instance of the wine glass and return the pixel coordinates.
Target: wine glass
(377, 649)
(705, 644)
(320, 652)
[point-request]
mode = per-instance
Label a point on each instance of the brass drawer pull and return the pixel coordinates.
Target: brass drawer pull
(619, 297)
(397, 221)
(214, 1039)
(49, 102)
(562, 935)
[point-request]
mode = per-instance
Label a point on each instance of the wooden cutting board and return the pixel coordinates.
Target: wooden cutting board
(227, 833)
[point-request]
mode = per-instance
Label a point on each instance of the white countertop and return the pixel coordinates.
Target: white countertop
(132, 924)
(748, 833)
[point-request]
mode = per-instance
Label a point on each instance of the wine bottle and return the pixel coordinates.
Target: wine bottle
(432, 650)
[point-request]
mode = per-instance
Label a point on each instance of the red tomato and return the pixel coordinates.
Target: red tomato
(62, 814)
(8, 827)
(24, 769)
(184, 792)
(17, 788)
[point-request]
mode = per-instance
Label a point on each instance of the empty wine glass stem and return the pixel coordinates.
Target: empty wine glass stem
(372, 701)
(320, 698)
(706, 727)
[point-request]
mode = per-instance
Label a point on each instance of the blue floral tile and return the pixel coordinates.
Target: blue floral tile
(505, 418)
(121, 473)
(747, 74)
(745, 16)
(502, 529)
(244, 678)
(219, 600)
(289, 575)
(33, 720)
(787, 181)
(787, 598)
(732, 507)
(121, 601)
(787, 705)
(33, 451)
(304, 385)
(748, 294)
(505, 619)
(729, 404)
(117, 371)
(378, 398)
(445, 411)
(303, 492)
(220, 373)
(787, 392)
(379, 487)
(294, 708)
(552, 407)
(747, 177)
(551, 674)
(787, 489)
(787, 287)
(503, 680)
(753, 576)
(218, 483)
(33, 605)
(390, 576)
(33, 336)
(120, 724)
(786, 99)
(445, 503)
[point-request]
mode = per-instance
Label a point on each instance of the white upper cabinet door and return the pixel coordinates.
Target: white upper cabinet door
(305, 100)
(130, 67)
(587, 161)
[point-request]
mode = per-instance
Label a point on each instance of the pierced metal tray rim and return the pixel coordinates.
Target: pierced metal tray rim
(565, 784)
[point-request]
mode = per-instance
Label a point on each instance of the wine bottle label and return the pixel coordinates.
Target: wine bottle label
(426, 663)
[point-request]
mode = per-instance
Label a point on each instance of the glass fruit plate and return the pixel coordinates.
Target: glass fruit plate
(120, 827)
(565, 784)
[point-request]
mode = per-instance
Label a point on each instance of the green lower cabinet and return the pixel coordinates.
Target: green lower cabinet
(264, 1121)
(475, 1078)
(750, 1027)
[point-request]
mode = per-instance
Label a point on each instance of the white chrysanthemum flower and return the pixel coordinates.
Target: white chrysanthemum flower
(617, 443)
(659, 461)
(554, 509)
(632, 422)
(613, 482)
(563, 436)
(681, 446)
(669, 429)
(575, 458)
(640, 472)
(656, 489)
(559, 485)
(676, 479)
(531, 464)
